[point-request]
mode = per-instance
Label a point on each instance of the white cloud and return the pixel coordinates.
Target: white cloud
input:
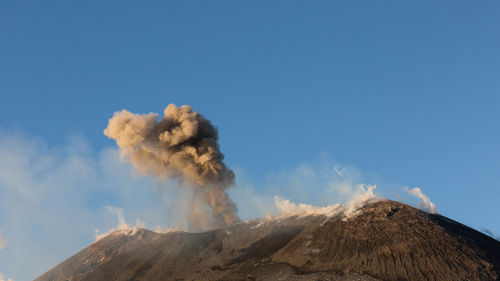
(325, 184)
(53, 198)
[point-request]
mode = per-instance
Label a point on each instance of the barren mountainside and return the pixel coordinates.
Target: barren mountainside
(385, 240)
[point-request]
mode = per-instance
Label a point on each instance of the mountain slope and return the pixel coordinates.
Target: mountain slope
(385, 240)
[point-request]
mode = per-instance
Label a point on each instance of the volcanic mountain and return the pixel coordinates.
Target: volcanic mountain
(382, 240)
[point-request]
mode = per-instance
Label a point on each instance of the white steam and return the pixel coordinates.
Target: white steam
(425, 203)
(62, 192)
(52, 198)
(122, 227)
(364, 195)
(287, 208)
(337, 188)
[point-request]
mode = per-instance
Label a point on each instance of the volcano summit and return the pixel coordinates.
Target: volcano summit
(383, 240)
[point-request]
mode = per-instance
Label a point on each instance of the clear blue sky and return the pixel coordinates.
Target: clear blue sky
(407, 92)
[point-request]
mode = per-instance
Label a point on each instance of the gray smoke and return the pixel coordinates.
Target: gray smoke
(183, 145)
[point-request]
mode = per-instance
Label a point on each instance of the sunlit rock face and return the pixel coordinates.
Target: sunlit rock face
(382, 240)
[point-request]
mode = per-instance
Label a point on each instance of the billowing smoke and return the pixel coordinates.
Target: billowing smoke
(181, 145)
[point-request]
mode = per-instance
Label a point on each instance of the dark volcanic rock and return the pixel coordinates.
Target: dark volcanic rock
(383, 241)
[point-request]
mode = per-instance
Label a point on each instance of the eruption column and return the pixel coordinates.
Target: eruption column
(184, 145)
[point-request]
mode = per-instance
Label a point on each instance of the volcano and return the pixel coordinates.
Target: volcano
(382, 240)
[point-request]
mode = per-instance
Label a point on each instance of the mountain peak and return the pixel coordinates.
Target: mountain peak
(382, 240)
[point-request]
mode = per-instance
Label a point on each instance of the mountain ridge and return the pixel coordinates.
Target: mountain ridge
(384, 240)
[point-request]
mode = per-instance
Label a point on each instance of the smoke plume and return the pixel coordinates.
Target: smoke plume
(425, 203)
(122, 227)
(181, 145)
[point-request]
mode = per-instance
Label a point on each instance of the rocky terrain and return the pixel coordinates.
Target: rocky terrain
(385, 240)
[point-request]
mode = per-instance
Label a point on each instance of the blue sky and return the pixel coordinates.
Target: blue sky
(405, 94)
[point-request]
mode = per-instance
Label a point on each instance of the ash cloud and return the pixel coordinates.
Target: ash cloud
(181, 145)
